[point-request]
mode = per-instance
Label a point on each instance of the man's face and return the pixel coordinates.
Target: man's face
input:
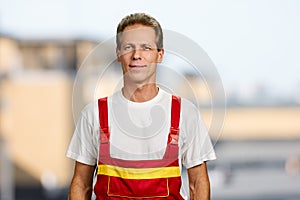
(138, 54)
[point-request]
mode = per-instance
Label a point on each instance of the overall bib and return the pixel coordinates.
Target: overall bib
(119, 179)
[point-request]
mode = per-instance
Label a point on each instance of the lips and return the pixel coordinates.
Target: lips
(137, 66)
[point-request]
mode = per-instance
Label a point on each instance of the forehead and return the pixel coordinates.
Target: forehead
(138, 33)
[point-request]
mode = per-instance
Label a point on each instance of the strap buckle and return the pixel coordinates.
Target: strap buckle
(104, 135)
(173, 136)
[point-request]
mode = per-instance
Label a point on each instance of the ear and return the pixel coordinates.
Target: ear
(160, 55)
(118, 53)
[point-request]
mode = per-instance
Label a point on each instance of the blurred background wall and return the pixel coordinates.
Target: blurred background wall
(254, 45)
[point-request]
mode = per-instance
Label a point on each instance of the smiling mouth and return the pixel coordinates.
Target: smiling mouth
(137, 66)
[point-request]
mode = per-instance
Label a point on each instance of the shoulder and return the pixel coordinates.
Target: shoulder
(188, 108)
(190, 115)
(90, 109)
(90, 114)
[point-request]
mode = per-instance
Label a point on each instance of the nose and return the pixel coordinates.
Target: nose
(136, 54)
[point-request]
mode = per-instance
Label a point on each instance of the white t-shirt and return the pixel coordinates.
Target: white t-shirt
(139, 131)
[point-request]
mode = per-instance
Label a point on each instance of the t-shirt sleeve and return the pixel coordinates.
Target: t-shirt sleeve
(82, 147)
(196, 143)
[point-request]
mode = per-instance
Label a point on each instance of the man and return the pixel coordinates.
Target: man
(138, 138)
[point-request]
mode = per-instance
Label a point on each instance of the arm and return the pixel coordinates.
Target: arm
(199, 182)
(82, 183)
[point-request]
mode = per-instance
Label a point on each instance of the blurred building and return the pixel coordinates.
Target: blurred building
(36, 119)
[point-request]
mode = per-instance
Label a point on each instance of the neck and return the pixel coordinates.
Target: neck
(141, 93)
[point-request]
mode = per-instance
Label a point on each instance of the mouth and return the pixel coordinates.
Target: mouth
(137, 66)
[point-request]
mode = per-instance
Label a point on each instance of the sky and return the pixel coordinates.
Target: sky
(251, 42)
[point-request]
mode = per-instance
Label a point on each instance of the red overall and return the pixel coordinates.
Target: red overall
(119, 179)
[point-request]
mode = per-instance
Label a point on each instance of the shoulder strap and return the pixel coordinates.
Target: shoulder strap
(172, 145)
(103, 119)
(175, 118)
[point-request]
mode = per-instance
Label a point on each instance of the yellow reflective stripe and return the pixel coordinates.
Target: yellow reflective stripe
(139, 173)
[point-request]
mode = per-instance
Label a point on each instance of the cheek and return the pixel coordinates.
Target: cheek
(152, 58)
(124, 58)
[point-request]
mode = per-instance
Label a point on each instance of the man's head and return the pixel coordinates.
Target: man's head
(139, 48)
(143, 19)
